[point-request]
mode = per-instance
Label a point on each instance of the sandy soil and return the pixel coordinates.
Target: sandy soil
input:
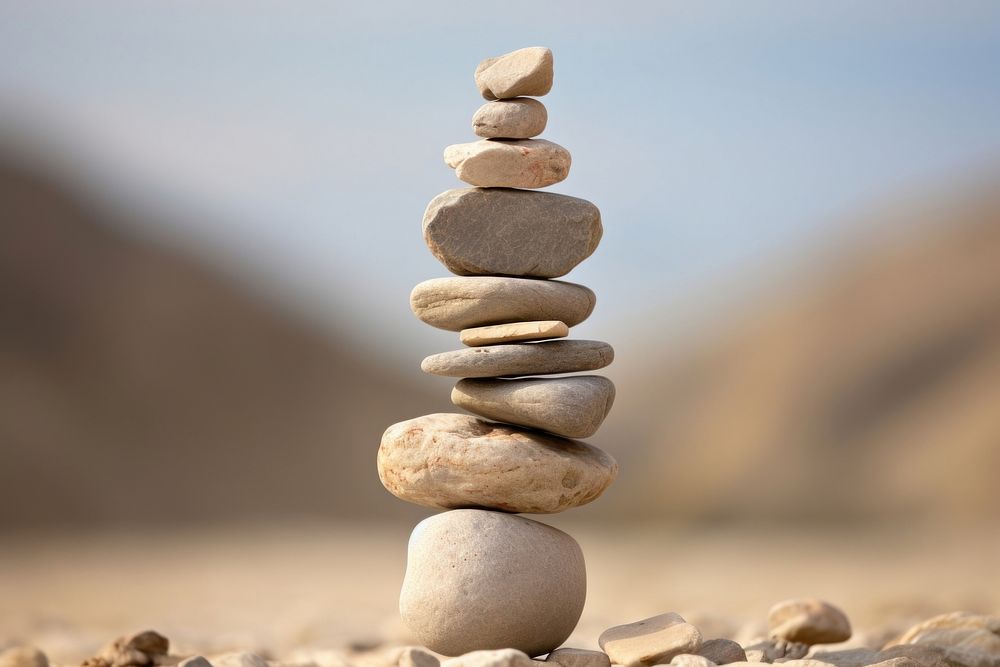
(273, 589)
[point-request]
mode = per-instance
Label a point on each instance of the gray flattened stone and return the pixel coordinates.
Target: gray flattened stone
(651, 641)
(808, 621)
(722, 651)
(516, 359)
(509, 163)
(500, 231)
(453, 461)
(513, 332)
(519, 118)
(573, 407)
(478, 580)
(526, 71)
(454, 304)
(578, 657)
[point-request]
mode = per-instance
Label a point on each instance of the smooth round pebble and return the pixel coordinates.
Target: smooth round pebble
(519, 118)
(509, 163)
(454, 461)
(455, 304)
(808, 621)
(513, 333)
(573, 407)
(478, 580)
(722, 651)
(526, 71)
(514, 359)
(650, 641)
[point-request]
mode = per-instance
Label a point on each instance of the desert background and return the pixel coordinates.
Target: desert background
(210, 225)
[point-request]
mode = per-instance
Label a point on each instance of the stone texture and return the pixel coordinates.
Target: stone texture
(691, 660)
(971, 640)
(519, 118)
(770, 650)
(509, 163)
(545, 358)
(578, 657)
(722, 651)
(486, 580)
(138, 650)
(460, 303)
(505, 657)
(23, 656)
(651, 641)
(573, 407)
(513, 333)
(526, 71)
(454, 461)
(808, 621)
(499, 231)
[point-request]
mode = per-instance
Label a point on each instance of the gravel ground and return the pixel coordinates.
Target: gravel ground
(275, 590)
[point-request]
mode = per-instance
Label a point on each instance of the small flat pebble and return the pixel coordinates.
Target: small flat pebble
(517, 359)
(650, 641)
(855, 657)
(808, 621)
(573, 407)
(526, 71)
(722, 651)
(509, 163)
(455, 304)
(23, 656)
(507, 232)
(487, 580)
(514, 332)
(578, 657)
(453, 461)
(774, 649)
(518, 118)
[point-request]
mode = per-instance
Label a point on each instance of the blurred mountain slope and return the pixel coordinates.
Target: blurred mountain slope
(139, 385)
(868, 386)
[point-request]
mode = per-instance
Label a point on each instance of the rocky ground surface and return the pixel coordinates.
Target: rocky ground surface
(326, 595)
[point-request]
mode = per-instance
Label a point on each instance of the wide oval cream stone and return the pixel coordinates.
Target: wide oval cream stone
(509, 163)
(512, 359)
(479, 580)
(455, 461)
(474, 301)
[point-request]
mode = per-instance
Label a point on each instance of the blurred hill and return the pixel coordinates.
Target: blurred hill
(137, 384)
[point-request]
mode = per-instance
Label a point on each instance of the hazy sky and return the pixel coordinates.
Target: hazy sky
(301, 141)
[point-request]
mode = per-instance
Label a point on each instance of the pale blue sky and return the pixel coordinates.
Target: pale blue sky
(300, 142)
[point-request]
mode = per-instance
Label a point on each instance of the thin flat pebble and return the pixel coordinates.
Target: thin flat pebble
(578, 657)
(454, 461)
(650, 641)
(505, 657)
(514, 332)
(461, 303)
(509, 163)
(515, 359)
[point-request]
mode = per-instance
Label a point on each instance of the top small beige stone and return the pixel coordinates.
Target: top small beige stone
(512, 333)
(522, 72)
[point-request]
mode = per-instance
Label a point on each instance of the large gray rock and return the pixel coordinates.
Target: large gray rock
(573, 406)
(650, 641)
(460, 303)
(526, 71)
(479, 580)
(808, 621)
(509, 163)
(513, 333)
(452, 461)
(545, 358)
(498, 231)
(519, 118)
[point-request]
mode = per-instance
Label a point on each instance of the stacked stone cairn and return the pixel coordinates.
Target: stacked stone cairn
(479, 576)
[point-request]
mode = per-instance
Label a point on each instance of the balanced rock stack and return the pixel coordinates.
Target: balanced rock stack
(478, 576)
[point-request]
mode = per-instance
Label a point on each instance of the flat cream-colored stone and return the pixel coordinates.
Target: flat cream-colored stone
(650, 641)
(808, 621)
(475, 301)
(519, 118)
(514, 359)
(573, 407)
(578, 657)
(454, 461)
(526, 71)
(509, 163)
(514, 332)
(478, 580)
(510, 232)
